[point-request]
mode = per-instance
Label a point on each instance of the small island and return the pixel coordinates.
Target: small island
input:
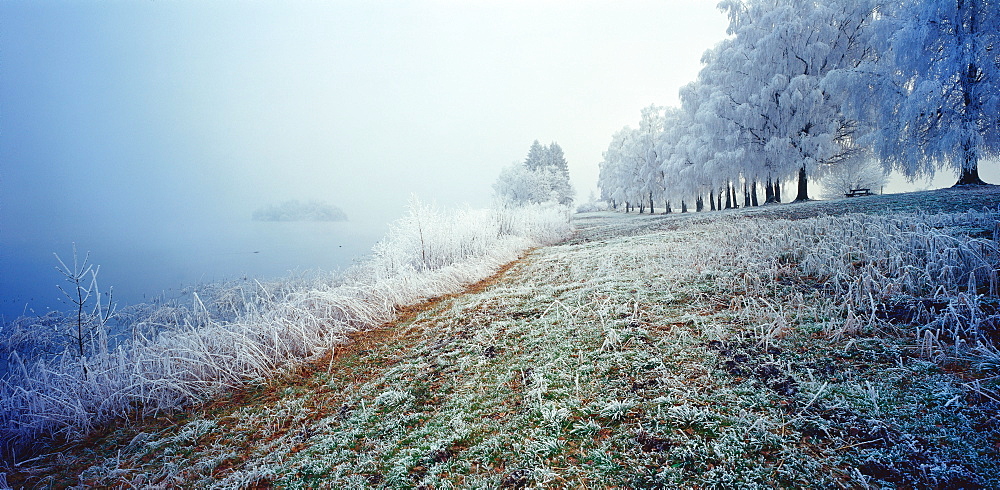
(295, 210)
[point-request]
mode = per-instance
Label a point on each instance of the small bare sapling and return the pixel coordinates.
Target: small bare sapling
(87, 330)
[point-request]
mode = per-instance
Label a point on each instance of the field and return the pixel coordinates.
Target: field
(851, 343)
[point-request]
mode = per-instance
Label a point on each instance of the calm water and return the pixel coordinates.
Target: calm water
(144, 266)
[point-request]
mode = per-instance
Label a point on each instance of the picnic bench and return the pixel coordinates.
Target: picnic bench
(858, 192)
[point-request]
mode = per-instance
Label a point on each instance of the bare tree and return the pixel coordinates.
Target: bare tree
(88, 327)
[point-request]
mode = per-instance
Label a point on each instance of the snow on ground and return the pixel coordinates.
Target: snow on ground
(780, 346)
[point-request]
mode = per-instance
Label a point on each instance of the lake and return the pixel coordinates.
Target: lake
(143, 265)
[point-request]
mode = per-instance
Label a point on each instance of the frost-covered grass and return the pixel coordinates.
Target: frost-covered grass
(230, 334)
(935, 272)
(708, 352)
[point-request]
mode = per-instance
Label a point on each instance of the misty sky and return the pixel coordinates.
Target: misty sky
(122, 112)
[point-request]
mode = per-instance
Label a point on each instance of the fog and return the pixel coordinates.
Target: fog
(148, 132)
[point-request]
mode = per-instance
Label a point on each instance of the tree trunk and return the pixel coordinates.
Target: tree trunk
(684, 206)
(970, 167)
(746, 195)
(970, 176)
(971, 83)
(777, 190)
(768, 192)
(720, 201)
(803, 194)
(711, 200)
(79, 303)
(753, 194)
(729, 197)
(699, 204)
(666, 207)
(651, 210)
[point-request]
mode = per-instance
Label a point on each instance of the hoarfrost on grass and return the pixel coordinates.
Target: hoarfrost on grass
(736, 363)
(232, 333)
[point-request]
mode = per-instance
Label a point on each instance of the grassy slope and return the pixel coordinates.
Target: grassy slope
(611, 360)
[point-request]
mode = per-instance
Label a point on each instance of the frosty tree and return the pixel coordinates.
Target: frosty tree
(933, 98)
(613, 178)
(646, 152)
(674, 162)
(716, 146)
(536, 156)
(555, 162)
(774, 74)
(543, 177)
(522, 185)
(804, 88)
(632, 172)
(858, 173)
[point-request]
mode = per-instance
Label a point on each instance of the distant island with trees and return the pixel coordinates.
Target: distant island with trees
(296, 210)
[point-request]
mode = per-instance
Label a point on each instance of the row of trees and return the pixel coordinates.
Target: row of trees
(801, 87)
(542, 177)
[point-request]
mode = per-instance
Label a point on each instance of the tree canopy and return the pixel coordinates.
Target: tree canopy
(933, 96)
(801, 88)
(542, 177)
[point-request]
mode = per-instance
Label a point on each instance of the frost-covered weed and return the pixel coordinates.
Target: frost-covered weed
(230, 333)
(617, 409)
